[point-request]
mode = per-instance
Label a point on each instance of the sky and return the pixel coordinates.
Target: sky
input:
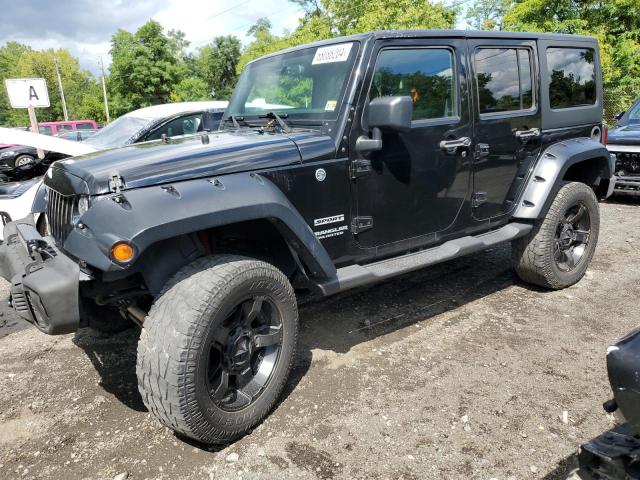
(85, 28)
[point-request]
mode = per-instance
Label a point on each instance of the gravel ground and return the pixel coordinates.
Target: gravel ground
(457, 371)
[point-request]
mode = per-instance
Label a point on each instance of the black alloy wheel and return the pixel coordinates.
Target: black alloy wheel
(243, 353)
(572, 237)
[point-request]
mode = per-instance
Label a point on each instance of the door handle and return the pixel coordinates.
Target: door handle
(526, 135)
(462, 142)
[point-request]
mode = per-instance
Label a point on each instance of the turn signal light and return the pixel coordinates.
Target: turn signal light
(122, 252)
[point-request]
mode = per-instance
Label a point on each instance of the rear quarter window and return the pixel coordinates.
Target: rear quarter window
(572, 77)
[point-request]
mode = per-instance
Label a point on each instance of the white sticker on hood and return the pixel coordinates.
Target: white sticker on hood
(332, 54)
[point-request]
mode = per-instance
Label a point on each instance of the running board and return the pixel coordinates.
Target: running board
(358, 275)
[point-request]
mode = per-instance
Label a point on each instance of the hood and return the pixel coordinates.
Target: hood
(627, 135)
(45, 142)
(181, 158)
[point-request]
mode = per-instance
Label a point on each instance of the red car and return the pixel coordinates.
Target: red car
(56, 128)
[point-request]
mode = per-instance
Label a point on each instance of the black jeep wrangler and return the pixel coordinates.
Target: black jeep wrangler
(339, 164)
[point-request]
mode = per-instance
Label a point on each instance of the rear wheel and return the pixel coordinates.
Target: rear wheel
(217, 347)
(559, 249)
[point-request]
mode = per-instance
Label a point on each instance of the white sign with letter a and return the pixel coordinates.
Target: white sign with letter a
(27, 92)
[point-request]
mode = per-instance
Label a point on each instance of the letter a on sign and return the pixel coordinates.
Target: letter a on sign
(27, 92)
(32, 93)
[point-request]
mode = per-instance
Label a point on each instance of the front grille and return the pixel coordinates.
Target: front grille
(60, 210)
(627, 163)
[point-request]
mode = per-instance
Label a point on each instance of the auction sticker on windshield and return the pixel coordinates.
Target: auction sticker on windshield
(332, 54)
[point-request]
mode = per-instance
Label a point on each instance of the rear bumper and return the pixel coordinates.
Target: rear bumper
(44, 281)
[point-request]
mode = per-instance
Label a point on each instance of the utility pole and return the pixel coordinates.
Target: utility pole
(104, 92)
(64, 102)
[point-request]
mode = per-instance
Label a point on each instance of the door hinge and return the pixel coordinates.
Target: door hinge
(478, 199)
(359, 167)
(360, 224)
(115, 182)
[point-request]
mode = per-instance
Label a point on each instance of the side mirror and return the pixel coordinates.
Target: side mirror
(391, 113)
(385, 113)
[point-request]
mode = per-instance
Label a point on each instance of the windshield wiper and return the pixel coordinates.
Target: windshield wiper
(278, 118)
(235, 119)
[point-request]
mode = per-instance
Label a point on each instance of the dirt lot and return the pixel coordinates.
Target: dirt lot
(458, 371)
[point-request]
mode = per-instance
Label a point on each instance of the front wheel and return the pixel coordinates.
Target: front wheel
(217, 347)
(559, 249)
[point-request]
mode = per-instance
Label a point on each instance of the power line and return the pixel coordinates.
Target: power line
(215, 15)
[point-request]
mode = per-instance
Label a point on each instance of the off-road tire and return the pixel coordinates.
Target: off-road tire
(173, 341)
(533, 254)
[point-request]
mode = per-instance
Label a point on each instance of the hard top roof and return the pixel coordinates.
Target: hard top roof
(381, 34)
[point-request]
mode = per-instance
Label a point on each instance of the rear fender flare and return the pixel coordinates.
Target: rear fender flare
(149, 215)
(550, 169)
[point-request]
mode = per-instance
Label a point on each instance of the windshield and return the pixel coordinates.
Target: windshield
(307, 84)
(634, 114)
(118, 133)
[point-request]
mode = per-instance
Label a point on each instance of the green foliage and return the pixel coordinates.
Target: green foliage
(145, 66)
(616, 24)
(80, 88)
(191, 89)
(216, 63)
(488, 14)
(329, 18)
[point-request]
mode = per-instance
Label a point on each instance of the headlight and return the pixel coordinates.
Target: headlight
(83, 204)
(8, 154)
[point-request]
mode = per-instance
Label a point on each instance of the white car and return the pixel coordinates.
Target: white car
(149, 123)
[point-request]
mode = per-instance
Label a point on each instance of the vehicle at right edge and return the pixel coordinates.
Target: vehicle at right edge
(339, 164)
(624, 143)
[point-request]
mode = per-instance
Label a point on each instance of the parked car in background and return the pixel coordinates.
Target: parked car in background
(624, 143)
(149, 123)
(19, 162)
(615, 454)
(56, 128)
(77, 135)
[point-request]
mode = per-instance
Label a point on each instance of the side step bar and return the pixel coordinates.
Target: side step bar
(358, 275)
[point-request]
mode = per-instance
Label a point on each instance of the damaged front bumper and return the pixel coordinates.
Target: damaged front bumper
(44, 281)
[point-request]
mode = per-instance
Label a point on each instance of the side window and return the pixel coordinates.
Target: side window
(44, 129)
(64, 127)
(504, 79)
(180, 126)
(572, 77)
(424, 74)
(84, 126)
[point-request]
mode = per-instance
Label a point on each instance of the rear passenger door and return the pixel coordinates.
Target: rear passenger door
(507, 122)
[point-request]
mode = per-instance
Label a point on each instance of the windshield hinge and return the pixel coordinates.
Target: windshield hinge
(116, 184)
(360, 224)
(359, 168)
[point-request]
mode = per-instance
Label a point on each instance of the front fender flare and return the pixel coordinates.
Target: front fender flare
(148, 215)
(549, 170)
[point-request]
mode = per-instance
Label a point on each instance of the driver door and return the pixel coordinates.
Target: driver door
(417, 183)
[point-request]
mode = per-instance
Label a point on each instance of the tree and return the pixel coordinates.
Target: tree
(216, 64)
(329, 18)
(145, 67)
(191, 89)
(78, 85)
(488, 14)
(9, 56)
